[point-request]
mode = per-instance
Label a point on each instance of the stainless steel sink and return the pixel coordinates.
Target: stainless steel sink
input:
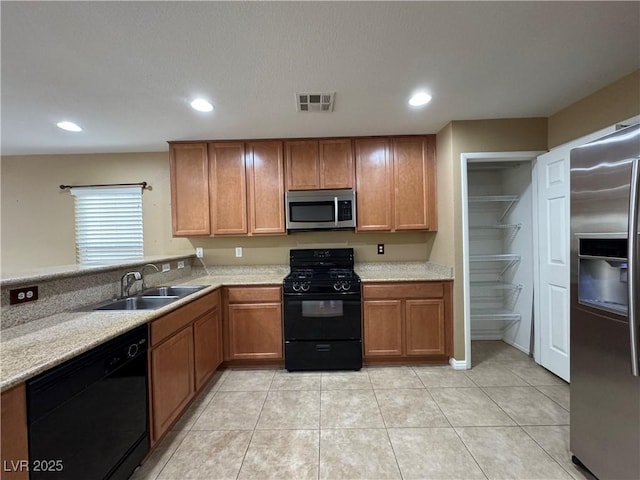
(177, 290)
(139, 302)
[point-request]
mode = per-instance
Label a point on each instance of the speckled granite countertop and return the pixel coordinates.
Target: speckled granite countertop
(32, 348)
(403, 271)
(29, 349)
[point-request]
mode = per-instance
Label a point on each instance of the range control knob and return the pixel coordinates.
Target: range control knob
(346, 286)
(336, 286)
(305, 286)
(296, 287)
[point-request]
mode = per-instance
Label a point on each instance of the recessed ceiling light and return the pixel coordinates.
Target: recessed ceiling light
(201, 105)
(419, 99)
(69, 126)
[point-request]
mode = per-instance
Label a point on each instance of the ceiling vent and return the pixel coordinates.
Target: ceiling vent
(315, 102)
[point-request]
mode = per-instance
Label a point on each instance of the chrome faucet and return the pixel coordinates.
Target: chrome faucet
(127, 281)
(148, 265)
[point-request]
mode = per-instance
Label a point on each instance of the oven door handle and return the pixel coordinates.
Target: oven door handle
(323, 347)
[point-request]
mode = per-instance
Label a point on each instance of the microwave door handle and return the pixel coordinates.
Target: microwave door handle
(632, 272)
(335, 204)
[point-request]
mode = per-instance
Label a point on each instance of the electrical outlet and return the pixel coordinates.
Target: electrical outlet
(381, 249)
(22, 295)
(166, 267)
(238, 251)
(199, 252)
(181, 264)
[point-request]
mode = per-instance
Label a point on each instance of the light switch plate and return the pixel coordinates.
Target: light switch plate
(166, 267)
(181, 264)
(199, 252)
(238, 251)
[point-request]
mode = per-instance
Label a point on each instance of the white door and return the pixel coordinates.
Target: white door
(553, 244)
(552, 306)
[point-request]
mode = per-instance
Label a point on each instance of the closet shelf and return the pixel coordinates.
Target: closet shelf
(500, 257)
(510, 200)
(508, 259)
(498, 226)
(516, 287)
(493, 198)
(493, 314)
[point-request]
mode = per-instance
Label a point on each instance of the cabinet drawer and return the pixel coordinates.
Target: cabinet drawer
(403, 290)
(254, 294)
(176, 320)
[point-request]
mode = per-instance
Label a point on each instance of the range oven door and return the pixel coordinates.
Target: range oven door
(322, 316)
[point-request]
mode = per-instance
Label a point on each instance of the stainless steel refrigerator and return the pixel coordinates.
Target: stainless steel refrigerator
(605, 386)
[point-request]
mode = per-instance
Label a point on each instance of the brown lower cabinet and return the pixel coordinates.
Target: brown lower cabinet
(186, 349)
(15, 449)
(253, 324)
(407, 320)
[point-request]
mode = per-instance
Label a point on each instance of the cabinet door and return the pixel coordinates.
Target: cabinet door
(425, 327)
(189, 189)
(382, 328)
(336, 163)
(172, 385)
(207, 344)
(14, 434)
(255, 331)
(414, 183)
(265, 178)
(302, 165)
(228, 187)
(374, 175)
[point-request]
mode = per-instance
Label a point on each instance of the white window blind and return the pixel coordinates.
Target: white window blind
(108, 224)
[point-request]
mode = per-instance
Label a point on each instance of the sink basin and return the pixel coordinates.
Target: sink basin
(139, 302)
(177, 290)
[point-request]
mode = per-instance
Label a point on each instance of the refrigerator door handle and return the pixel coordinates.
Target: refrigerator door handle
(632, 276)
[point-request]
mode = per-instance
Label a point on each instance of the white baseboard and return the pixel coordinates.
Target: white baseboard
(458, 364)
(515, 345)
(494, 334)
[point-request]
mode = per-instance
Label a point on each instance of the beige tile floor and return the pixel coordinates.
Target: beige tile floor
(505, 418)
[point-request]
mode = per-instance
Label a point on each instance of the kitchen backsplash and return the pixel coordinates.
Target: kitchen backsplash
(64, 293)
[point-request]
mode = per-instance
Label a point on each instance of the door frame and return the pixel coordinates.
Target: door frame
(465, 159)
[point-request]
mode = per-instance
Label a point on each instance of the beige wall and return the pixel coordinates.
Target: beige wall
(38, 217)
(501, 135)
(616, 102)
(409, 246)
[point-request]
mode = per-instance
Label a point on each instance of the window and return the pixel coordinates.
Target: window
(108, 224)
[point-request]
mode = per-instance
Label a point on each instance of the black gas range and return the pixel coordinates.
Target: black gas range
(322, 311)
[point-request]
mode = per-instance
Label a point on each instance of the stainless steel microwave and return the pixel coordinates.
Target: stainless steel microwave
(321, 210)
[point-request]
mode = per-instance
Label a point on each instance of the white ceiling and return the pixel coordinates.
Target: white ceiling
(126, 71)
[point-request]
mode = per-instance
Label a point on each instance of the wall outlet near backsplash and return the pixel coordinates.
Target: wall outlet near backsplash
(22, 295)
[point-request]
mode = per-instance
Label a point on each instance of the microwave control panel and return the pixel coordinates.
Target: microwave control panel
(344, 210)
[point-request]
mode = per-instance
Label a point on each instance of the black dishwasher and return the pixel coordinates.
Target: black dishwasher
(88, 417)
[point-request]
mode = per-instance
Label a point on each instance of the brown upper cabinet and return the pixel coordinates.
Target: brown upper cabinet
(396, 183)
(189, 168)
(324, 164)
(227, 188)
(265, 181)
